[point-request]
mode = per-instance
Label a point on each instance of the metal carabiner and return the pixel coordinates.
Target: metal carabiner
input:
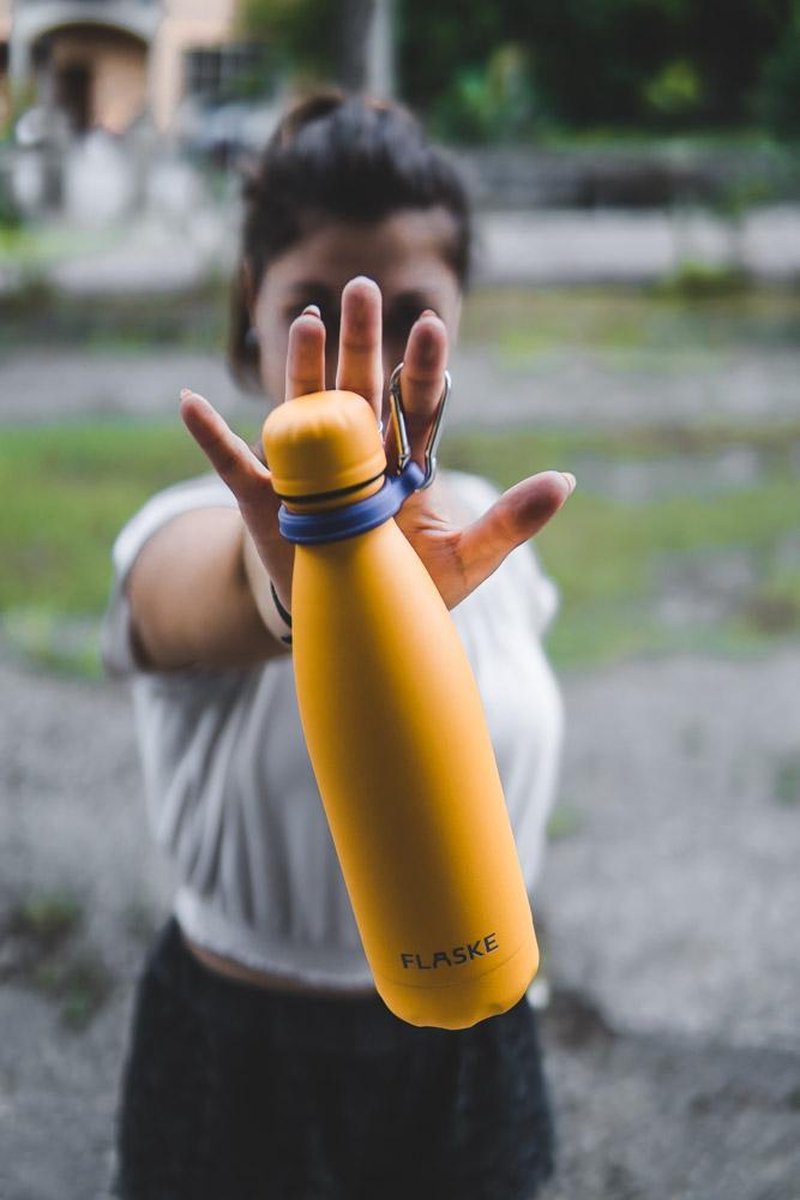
(401, 433)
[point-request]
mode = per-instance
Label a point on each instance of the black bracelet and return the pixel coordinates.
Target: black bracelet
(283, 613)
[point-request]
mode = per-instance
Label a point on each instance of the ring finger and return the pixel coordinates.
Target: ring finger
(422, 380)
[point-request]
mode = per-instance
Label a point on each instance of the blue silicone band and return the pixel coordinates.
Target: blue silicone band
(335, 524)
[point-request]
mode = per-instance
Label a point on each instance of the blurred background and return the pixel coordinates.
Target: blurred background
(635, 166)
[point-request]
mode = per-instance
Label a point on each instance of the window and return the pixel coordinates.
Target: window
(228, 72)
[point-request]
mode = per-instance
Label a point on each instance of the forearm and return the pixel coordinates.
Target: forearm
(197, 596)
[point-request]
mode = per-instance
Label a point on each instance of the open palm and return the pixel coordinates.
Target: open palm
(457, 558)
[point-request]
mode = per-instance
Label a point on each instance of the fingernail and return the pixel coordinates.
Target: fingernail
(311, 310)
(186, 392)
(363, 279)
(571, 480)
(427, 312)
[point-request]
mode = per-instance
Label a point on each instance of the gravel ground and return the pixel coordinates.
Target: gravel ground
(668, 910)
(575, 389)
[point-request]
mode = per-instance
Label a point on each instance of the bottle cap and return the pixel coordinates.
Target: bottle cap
(321, 444)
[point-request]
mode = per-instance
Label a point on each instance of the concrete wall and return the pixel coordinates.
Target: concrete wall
(168, 29)
(525, 177)
(118, 68)
(187, 25)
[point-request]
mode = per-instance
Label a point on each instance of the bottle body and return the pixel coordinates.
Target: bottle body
(398, 741)
(395, 728)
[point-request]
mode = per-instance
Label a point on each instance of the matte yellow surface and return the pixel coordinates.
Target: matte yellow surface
(322, 442)
(402, 756)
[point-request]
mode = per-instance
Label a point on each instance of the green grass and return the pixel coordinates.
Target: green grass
(40, 936)
(69, 488)
(38, 314)
(786, 780)
(46, 918)
(67, 491)
(31, 247)
(694, 314)
(523, 324)
(608, 556)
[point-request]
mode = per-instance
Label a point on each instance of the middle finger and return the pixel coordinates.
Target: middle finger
(360, 367)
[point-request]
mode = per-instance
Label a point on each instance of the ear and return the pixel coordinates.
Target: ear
(246, 283)
(457, 316)
(249, 294)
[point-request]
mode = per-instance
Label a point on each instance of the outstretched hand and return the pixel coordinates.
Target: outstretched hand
(458, 559)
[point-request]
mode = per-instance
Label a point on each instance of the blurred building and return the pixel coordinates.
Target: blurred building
(105, 63)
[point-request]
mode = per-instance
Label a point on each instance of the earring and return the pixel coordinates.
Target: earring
(251, 338)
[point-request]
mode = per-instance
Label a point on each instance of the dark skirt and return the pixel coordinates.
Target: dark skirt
(231, 1092)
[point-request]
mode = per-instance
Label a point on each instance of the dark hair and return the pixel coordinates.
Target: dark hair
(340, 157)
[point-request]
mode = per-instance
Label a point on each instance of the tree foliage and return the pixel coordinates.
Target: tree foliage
(478, 70)
(299, 31)
(612, 62)
(780, 93)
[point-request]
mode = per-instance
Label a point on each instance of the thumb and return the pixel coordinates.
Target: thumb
(518, 515)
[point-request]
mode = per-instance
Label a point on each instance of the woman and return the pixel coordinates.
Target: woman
(262, 1062)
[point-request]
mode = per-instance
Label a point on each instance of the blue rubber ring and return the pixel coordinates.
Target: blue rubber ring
(335, 524)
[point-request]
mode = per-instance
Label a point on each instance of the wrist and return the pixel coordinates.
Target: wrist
(274, 614)
(283, 613)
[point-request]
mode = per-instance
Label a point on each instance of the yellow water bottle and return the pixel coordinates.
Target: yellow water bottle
(395, 727)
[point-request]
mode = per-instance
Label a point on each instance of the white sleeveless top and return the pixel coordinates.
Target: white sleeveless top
(230, 793)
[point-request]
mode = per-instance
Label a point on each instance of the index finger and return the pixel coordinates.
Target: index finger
(305, 355)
